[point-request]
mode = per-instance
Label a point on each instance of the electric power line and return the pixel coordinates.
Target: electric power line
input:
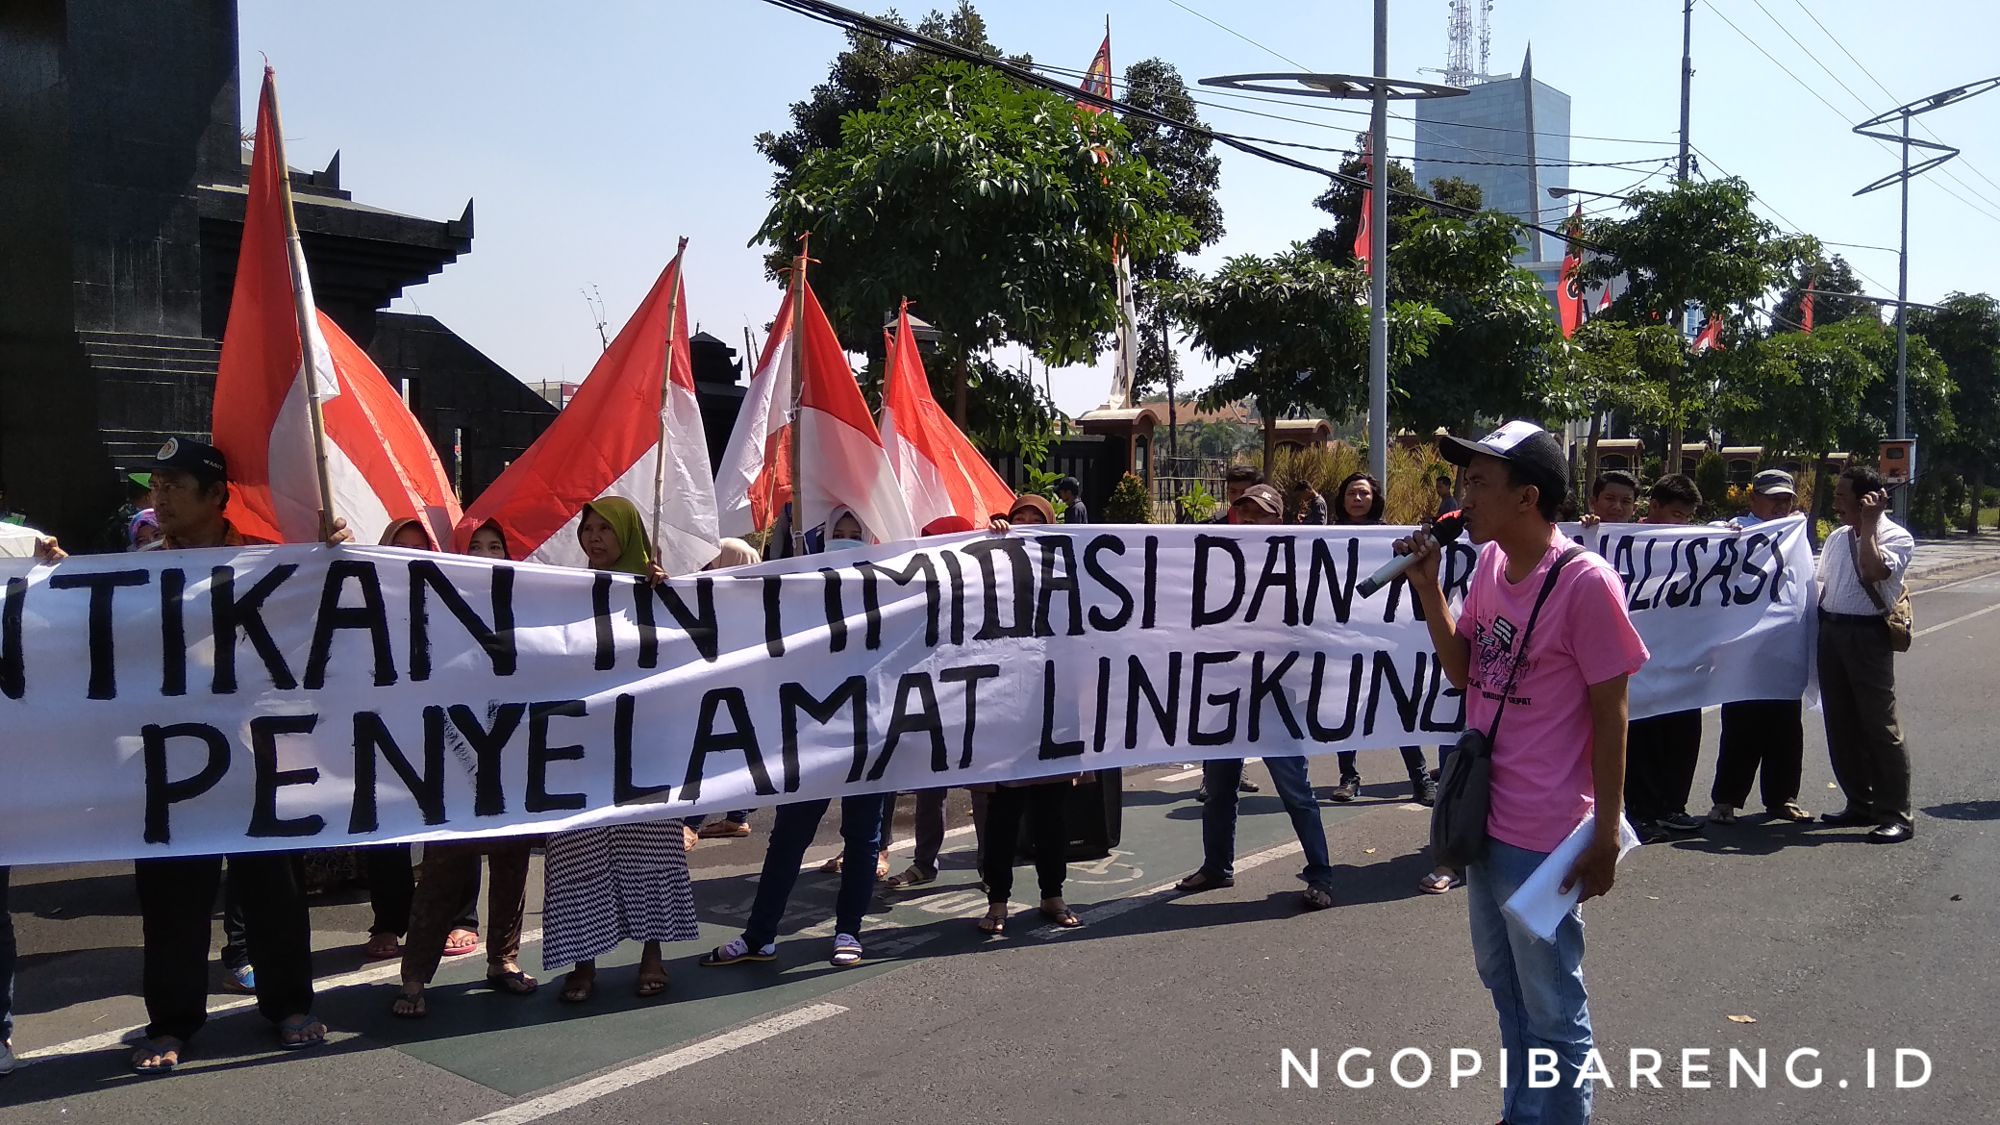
(1837, 112)
(1239, 35)
(1835, 40)
(1793, 227)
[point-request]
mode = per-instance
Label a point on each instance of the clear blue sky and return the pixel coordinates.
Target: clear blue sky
(593, 134)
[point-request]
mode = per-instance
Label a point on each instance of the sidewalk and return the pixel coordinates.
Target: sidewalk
(1937, 559)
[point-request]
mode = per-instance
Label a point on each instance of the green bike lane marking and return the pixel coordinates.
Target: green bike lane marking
(518, 1045)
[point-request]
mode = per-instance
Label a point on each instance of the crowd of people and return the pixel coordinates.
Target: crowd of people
(1566, 745)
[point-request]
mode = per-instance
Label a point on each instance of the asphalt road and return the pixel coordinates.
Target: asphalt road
(1161, 1008)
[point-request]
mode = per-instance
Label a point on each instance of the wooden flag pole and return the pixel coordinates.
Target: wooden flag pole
(295, 254)
(798, 395)
(666, 389)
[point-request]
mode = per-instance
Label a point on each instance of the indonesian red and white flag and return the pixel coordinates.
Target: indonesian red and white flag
(1569, 291)
(843, 463)
(940, 472)
(379, 462)
(1364, 230)
(634, 430)
(1710, 336)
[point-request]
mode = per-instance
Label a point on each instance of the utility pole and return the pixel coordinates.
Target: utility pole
(1378, 257)
(1687, 79)
(1940, 153)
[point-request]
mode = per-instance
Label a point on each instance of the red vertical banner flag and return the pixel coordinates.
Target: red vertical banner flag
(1364, 230)
(1097, 79)
(1569, 287)
(1710, 336)
(1097, 82)
(1806, 306)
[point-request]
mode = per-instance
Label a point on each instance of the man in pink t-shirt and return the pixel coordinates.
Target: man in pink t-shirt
(1559, 749)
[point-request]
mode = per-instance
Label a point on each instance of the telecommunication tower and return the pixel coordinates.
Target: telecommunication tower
(1470, 30)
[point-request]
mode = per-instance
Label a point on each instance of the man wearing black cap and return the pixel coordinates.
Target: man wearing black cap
(177, 896)
(1069, 490)
(1766, 733)
(1543, 629)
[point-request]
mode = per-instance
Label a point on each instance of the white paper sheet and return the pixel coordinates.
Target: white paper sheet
(1540, 903)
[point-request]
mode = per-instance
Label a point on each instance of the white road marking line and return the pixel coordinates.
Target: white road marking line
(1105, 911)
(1957, 620)
(1958, 582)
(910, 842)
(1183, 775)
(624, 1078)
(371, 974)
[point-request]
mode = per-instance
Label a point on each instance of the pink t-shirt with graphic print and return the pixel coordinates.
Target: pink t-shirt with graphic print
(1542, 778)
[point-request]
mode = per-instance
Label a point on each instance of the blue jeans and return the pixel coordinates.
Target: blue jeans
(1218, 815)
(1537, 988)
(6, 961)
(791, 834)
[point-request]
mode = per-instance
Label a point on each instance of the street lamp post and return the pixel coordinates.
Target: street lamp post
(1379, 89)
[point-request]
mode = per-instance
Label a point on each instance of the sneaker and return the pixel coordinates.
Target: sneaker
(1201, 794)
(242, 980)
(1682, 823)
(1722, 814)
(1791, 811)
(1348, 789)
(1424, 791)
(736, 951)
(1248, 786)
(7, 1060)
(723, 830)
(1651, 832)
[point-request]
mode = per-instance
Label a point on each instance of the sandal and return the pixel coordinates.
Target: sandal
(995, 921)
(651, 984)
(881, 865)
(409, 1006)
(382, 947)
(832, 866)
(460, 942)
(846, 951)
(913, 876)
(1061, 915)
(1315, 897)
(1204, 880)
(301, 1033)
(514, 982)
(578, 986)
(735, 952)
(159, 1055)
(1438, 882)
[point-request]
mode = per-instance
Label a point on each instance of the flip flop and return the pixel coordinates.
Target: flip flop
(1437, 883)
(992, 924)
(301, 1033)
(408, 1007)
(460, 942)
(579, 993)
(382, 947)
(912, 876)
(1064, 917)
(651, 986)
(515, 983)
(159, 1047)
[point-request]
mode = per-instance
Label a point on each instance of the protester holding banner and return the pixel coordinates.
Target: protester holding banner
(190, 492)
(730, 552)
(1260, 505)
(1663, 751)
(1543, 629)
(1861, 591)
(1361, 500)
(792, 833)
(1761, 736)
(1614, 498)
(625, 882)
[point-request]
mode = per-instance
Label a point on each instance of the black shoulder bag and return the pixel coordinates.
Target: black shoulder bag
(1465, 788)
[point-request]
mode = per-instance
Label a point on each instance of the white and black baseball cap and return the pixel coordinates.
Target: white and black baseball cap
(1534, 449)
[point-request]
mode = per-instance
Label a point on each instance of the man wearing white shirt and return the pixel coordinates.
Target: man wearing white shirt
(1857, 670)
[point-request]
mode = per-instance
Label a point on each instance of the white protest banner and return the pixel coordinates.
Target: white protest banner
(178, 703)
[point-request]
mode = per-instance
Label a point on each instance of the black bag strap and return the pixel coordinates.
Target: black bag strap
(1527, 634)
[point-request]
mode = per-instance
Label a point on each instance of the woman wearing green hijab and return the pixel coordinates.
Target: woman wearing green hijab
(625, 882)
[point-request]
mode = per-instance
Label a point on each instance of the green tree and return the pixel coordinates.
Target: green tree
(1796, 392)
(1826, 276)
(1966, 335)
(1496, 356)
(1609, 367)
(860, 77)
(1192, 173)
(1699, 244)
(1296, 328)
(982, 202)
(1342, 200)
